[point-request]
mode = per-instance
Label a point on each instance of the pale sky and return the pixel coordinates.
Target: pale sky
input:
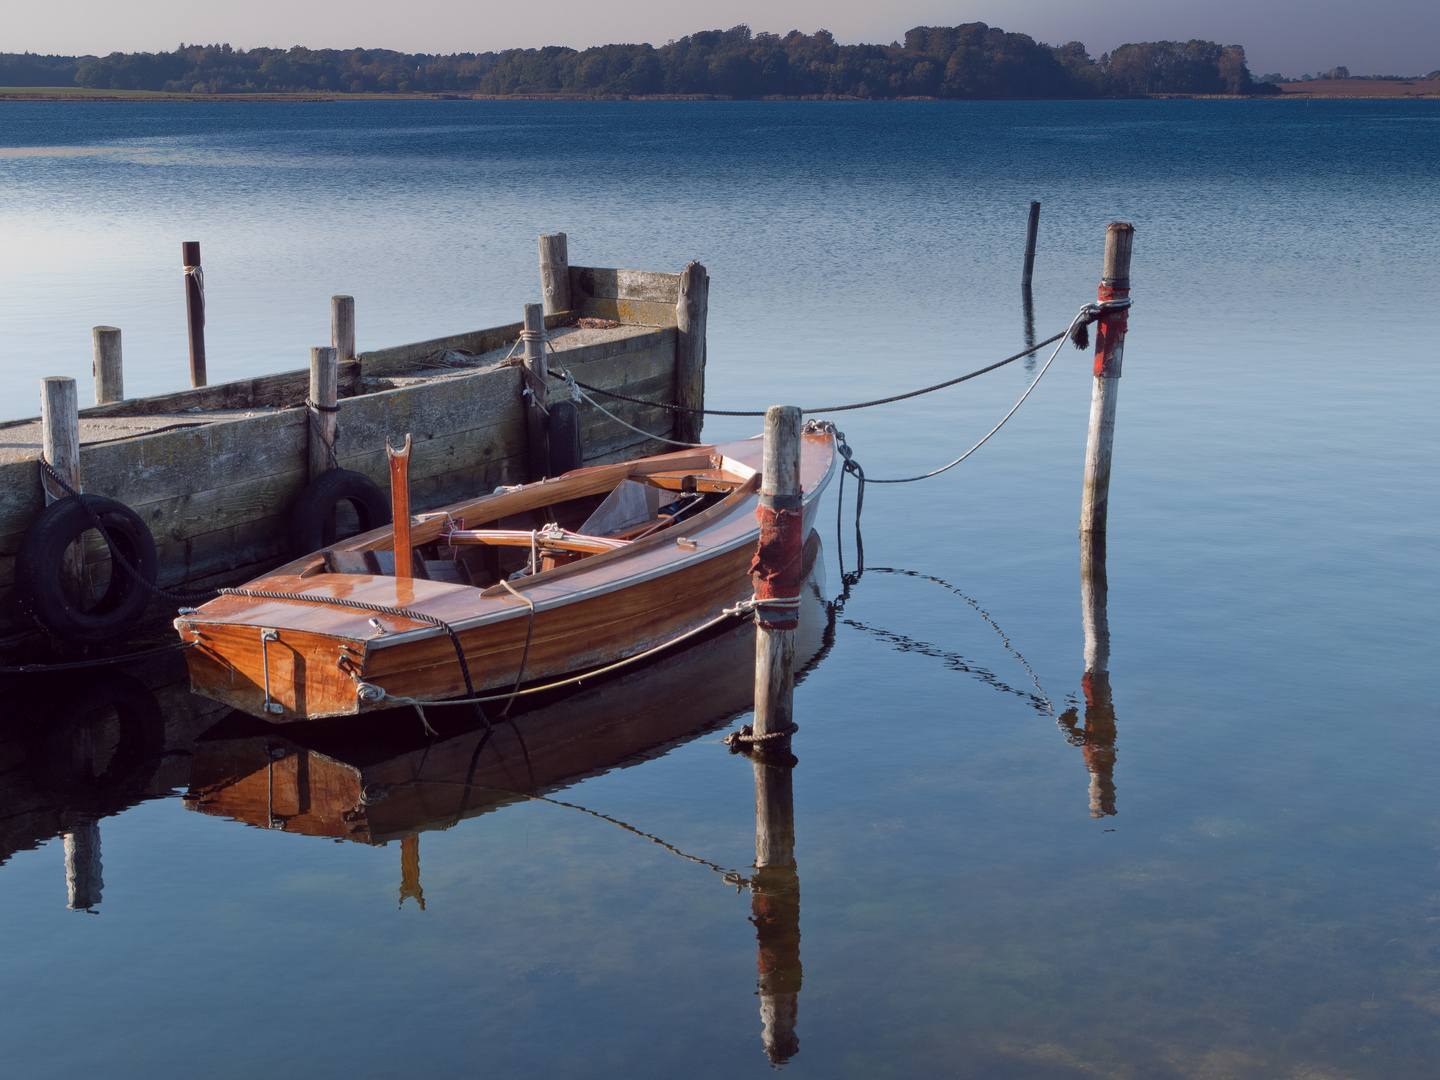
(1289, 36)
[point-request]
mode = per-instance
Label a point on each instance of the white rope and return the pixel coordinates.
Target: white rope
(1083, 313)
(199, 276)
(570, 382)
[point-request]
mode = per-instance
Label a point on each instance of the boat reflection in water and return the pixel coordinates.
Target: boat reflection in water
(383, 777)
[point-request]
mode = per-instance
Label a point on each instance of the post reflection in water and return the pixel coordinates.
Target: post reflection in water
(775, 908)
(1097, 738)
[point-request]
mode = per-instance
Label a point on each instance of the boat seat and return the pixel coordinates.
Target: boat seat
(370, 562)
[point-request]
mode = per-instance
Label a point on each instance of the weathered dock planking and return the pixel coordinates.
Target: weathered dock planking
(214, 470)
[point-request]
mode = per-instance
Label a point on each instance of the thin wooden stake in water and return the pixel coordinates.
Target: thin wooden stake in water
(775, 649)
(109, 369)
(400, 506)
(342, 326)
(195, 309)
(1032, 231)
(325, 393)
(554, 273)
(1109, 352)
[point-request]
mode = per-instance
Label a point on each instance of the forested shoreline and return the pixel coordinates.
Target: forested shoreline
(971, 61)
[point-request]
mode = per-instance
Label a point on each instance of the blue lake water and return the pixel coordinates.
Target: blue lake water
(1264, 902)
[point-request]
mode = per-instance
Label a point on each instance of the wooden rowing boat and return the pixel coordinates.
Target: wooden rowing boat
(383, 777)
(526, 585)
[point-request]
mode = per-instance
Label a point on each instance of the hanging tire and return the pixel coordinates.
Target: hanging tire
(312, 521)
(38, 583)
(566, 452)
(62, 750)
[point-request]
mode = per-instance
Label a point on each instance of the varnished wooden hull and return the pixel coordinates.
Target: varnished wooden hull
(586, 614)
(388, 779)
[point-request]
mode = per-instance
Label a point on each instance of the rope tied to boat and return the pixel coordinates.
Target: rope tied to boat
(576, 388)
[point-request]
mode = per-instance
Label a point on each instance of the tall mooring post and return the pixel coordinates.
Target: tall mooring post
(108, 367)
(1109, 352)
(195, 309)
(777, 572)
(535, 373)
(1099, 734)
(775, 908)
(554, 273)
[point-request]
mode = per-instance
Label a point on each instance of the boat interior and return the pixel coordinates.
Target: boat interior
(519, 533)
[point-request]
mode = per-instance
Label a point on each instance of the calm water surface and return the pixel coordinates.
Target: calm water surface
(1263, 902)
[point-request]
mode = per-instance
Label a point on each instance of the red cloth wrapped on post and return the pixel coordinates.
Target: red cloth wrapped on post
(776, 568)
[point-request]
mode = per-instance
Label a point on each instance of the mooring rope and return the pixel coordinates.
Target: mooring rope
(575, 385)
(841, 408)
(1089, 312)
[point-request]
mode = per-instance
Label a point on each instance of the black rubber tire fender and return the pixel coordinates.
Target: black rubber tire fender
(566, 453)
(37, 570)
(312, 519)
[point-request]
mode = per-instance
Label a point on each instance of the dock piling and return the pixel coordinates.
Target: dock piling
(323, 406)
(342, 325)
(1109, 352)
(195, 309)
(691, 310)
(535, 379)
(776, 571)
(108, 368)
(554, 273)
(60, 442)
(1032, 232)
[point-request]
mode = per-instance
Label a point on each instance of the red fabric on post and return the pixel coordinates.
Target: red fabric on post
(775, 570)
(1110, 332)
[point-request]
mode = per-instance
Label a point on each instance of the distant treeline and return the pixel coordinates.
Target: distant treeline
(969, 61)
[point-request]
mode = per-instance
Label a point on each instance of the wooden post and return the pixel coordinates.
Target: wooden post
(84, 880)
(400, 507)
(108, 368)
(535, 378)
(775, 909)
(324, 398)
(1032, 231)
(1109, 351)
(60, 443)
(691, 310)
(777, 576)
(342, 325)
(195, 309)
(554, 273)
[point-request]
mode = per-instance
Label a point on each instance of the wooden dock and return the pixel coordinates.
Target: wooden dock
(214, 471)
